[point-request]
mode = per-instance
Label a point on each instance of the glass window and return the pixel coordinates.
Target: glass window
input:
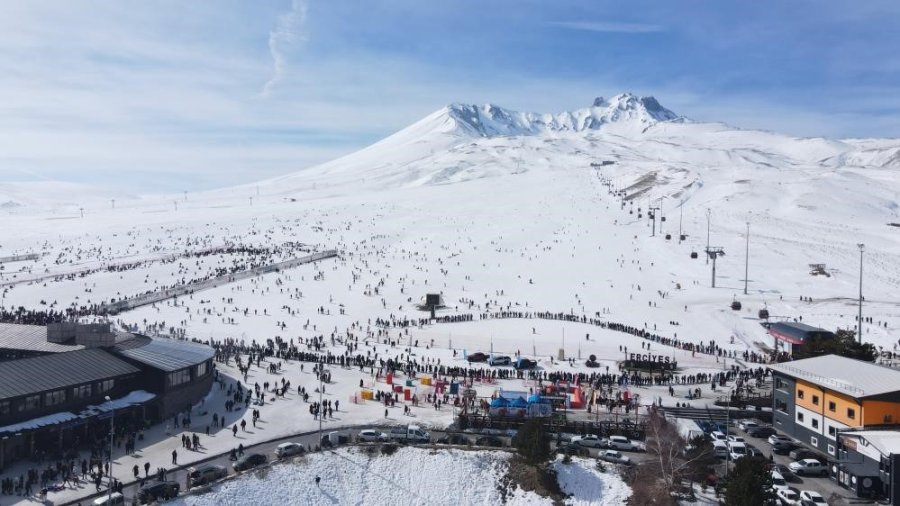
(831, 449)
(31, 402)
(813, 441)
(832, 406)
(799, 417)
(815, 400)
(831, 430)
(178, 377)
(4, 408)
(81, 392)
(851, 413)
(202, 369)
(815, 423)
(105, 386)
(55, 397)
(799, 394)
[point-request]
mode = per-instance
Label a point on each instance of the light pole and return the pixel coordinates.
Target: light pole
(680, 217)
(112, 429)
(708, 212)
(747, 259)
(862, 247)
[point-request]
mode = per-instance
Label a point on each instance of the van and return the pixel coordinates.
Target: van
(737, 450)
(720, 449)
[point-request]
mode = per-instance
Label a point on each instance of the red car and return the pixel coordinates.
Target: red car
(477, 357)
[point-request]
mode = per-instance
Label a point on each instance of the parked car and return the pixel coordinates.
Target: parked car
(525, 363)
(813, 497)
(499, 360)
(783, 447)
(734, 439)
(720, 449)
(371, 436)
(334, 438)
(205, 474)
(753, 451)
(760, 431)
(573, 450)
(250, 461)
(409, 434)
(774, 438)
(109, 500)
(285, 450)
(747, 424)
(477, 357)
(802, 453)
(717, 435)
(156, 491)
(624, 444)
(788, 497)
(778, 481)
(590, 440)
(614, 457)
(489, 441)
(785, 472)
(737, 450)
(808, 467)
(453, 439)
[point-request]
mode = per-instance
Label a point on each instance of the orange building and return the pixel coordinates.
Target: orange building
(816, 398)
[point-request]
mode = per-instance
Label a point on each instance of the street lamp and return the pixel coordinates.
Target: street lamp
(112, 428)
(862, 247)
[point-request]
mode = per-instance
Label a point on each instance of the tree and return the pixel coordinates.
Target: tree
(533, 442)
(673, 461)
(749, 482)
(843, 343)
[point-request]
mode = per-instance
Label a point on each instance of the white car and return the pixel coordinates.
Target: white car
(371, 436)
(288, 450)
(774, 438)
(813, 497)
(110, 500)
(624, 444)
(778, 481)
(590, 441)
(717, 435)
(747, 424)
(808, 467)
(614, 457)
(737, 450)
(735, 439)
(788, 497)
(499, 360)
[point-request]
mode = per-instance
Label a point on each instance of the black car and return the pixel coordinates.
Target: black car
(160, 490)
(489, 441)
(477, 357)
(783, 447)
(453, 439)
(524, 363)
(761, 431)
(250, 461)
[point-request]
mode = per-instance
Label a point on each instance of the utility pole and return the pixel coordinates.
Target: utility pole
(82, 211)
(321, 389)
(662, 217)
(714, 252)
(747, 259)
(708, 212)
(112, 430)
(653, 217)
(113, 201)
(680, 218)
(862, 248)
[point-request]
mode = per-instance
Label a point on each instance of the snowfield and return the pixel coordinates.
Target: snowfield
(497, 211)
(410, 476)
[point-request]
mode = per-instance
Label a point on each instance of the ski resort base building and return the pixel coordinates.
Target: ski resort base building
(839, 406)
(60, 395)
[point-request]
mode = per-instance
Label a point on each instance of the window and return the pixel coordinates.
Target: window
(4, 408)
(202, 369)
(31, 402)
(105, 386)
(178, 377)
(55, 397)
(813, 440)
(831, 430)
(815, 400)
(799, 394)
(780, 384)
(780, 405)
(851, 413)
(81, 392)
(832, 406)
(831, 449)
(815, 423)
(799, 417)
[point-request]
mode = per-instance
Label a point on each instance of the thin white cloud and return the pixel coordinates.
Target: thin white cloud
(286, 34)
(608, 26)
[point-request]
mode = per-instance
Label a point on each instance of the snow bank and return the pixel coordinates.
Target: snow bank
(586, 485)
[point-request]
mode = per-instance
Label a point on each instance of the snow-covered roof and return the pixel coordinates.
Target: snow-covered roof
(135, 397)
(886, 442)
(843, 375)
(36, 423)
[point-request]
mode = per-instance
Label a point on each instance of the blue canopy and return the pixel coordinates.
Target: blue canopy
(499, 402)
(518, 402)
(534, 398)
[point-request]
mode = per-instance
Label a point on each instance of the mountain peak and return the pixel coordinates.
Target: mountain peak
(492, 120)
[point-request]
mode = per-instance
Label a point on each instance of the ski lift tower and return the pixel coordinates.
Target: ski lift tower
(652, 214)
(714, 252)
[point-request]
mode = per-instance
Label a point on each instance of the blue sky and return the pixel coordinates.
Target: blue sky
(174, 95)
